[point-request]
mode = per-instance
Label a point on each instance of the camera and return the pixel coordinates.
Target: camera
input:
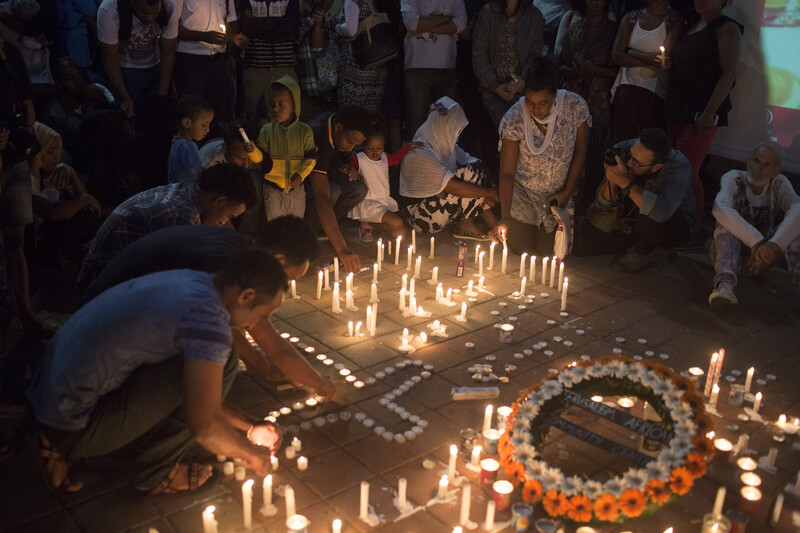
(612, 153)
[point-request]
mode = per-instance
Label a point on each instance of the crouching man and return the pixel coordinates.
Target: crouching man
(150, 361)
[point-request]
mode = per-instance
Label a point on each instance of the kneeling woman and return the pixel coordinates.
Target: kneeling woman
(441, 183)
(543, 140)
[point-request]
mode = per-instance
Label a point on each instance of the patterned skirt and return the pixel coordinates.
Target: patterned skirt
(359, 87)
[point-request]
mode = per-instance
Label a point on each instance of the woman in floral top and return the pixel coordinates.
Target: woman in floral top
(543, 140)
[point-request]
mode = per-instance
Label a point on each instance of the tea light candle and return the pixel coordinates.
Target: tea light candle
(466, 497)
(410, 255)
(247, 504)
(397, 251)
(504, 259)
(476, 457)
(544, 270)
(364, 503)
(491, 255)
(746, 464)
(750, 479)
(319, 285)
(488, 524)
(432, 244)
(695, 373)
(302, 463)
(502, 494)
(296, 523)
(522, 259)
(625, 403)
(750, 500)
(336, 527)
(443, 484)
(402, 487)
(417, 266)
(209, 523)
(451, 465)
(553, 272)
(487, 417)
(748, 382)
(560, 275)
(435, 275)
(757, 402)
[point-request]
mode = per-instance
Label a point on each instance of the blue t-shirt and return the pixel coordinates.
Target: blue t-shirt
(184, 161)
(147, 320)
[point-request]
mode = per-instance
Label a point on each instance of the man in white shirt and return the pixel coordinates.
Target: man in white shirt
(748, 240)
(430, 54)
(137, 43)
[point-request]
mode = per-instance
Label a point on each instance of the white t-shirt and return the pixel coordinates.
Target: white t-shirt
(431, 50)
(203, 15)
(141, 49)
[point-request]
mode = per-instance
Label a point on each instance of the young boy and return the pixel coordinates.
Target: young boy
(195, 115)
(290, 144)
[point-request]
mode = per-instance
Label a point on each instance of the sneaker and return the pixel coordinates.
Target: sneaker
(459, 233)
(722, 297)
(366, 234)
(633, 261)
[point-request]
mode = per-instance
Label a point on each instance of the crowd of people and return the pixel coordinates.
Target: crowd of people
(186, 157)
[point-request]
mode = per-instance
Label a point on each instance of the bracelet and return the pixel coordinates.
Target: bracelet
(626, 191)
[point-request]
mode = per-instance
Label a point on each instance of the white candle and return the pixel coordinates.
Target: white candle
(336, 526)
(532, 273)
(266, 487)
(544, 270)
(402, 304)
(710, 376)
(319, 285)
(402, 487)
(374, 323)
(209, 524)
(404, 282)
(560, 275)
(772, 456)
(443, 484)
(435, 274)
(297, 444)
(522, 259)
(748, 382)
(480, 281)
(553, 272)
(410, 255)
(564, 290)
(274, 462)
(358, 328)
(522, 285)
(413, 241)
(430, 256)
(504, 260)
(412, 303)
(449, 295)
(417, 266)
(491, 255)
(349, 282)
(714, 396)
(336, 269)
(466, 495)
(245, 138)
(369, 315)
(439, 293)
(757, 402)
(375, 269)
(489, 523)
(327, 278)
(349, 332)
(335, 301)
(475, 459)
(290, 506)
(293, 285)
(469, 286)
(373, 293)
(302, 463)
(480, 263)
(348, 300)
(247, 504)
(663, 55)
(477, 251)
(378, 246)
(397, 251)
(487, 418)
(776, 511)
(412, 285)
(364, 506)
(390, 247)
(451, 465)
(463, 310)
(718, 502)
(742, 443)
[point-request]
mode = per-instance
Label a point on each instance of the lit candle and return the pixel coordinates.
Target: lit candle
(297, 444)
(719, 501)
(491, 255)
(350, 328)
(404, 282)
(480, 263)
(449, 295)
(374, 323)
(302, 463)
(748, 382)
(469, 287)
(750, 479)
(663, 55)
(751, 499)
(222, 27)
(742, 443)
(412, 303)
(245, 138)
(293, 285)
(746, 464)
(402, 487)
(504, 260)
(402, 305)
(349, 282)
(439, 293)
(297, 524)
(358, 328)
(477, 251)
(337, 526)
(266, 487)
(364, 506)
(247, 504)
(475, 459)
(289, 495)
(327, 286)
(373, 297)
(413, 241)
(209, 524)
(435, 275)
(544, 270)
(274, 462)
(378, 246)
(560, 275)
(522, 285)
(463, 310)
(757, 402)
(430, 256)
(714, 396)
(451, 465)
(375, 269)
(532, 273)
(410, 255)
(348, 300)
(397, 251)
(522, 259)
(710, 376)
(319, 285)
(412, 285)
(489, 522)
(336, 269)
(553, 272)
(369, 315)
(487, 417)
(417, 266)
(466, 495)
(564, 290)
(335, 307)
(443, 484)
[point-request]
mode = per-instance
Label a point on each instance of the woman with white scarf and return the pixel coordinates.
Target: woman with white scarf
(543, 140)
(441, 183)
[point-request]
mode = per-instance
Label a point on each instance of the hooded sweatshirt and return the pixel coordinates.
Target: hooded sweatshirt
(291, 147)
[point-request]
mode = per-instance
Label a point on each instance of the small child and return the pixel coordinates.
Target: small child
(290, 144)
(378, 208)
(195, 114)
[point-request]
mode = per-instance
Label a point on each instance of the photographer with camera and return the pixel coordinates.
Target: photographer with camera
(645, 202)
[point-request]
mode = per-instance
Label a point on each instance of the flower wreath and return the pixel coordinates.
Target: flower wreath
(673, 472)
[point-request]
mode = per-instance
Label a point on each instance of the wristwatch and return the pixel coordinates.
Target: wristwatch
(625, 191)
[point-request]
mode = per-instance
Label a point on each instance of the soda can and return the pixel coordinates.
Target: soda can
(521, 517)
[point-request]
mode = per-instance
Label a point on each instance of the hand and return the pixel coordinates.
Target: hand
(266, 435)
(349, 171)
(704, 122)
(301, 32)
(504, 93)
(500, 232)
(215, 37)
(240, 40)
(414, 146)
(92, 203)
(657, 62)
(316, 16)
(561, 197)
(249, 147)
(328, 392)
(260, 462)
(763, 256)
(491, 198)
(350, 260)
(516, 85)
(61, 177)
(127, 106)
(618, 174)
(296, 181)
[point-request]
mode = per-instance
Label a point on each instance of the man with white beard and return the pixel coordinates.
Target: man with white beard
(747, 240)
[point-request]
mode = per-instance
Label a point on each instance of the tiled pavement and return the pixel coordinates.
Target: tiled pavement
(665, 305)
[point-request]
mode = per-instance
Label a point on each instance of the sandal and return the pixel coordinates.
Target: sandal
(194, 475)
(56, 467)
(459, 233)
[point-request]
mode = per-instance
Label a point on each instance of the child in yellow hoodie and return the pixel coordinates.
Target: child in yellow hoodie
(290, 145)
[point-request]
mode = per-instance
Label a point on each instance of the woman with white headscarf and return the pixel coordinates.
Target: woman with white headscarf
(441, 183)
(543, 141)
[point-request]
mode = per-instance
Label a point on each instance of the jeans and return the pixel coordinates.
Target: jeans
(209, 77)
(422, 87)
(695, 147)
(729, 256)
(646, 236)
(345, 195)
(140, 83)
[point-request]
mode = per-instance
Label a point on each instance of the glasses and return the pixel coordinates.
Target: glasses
(637, 164)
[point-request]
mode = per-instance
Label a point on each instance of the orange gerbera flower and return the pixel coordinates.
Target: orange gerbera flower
(632, 502)
(680, 481)
(532, 491)
(703, 423)
(658, 491)
(703, 446)
(606, 508)
(515, 470)
(581, 508)
(696, 465)
(555, 503)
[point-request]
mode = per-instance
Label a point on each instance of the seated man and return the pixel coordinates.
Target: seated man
(152, 358)
(222, 192)
(645, 202)
(231, 148)
(206, 248)
(747, 240)
(333, 188)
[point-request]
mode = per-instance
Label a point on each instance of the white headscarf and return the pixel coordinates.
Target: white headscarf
(426, 171)
(550, 119)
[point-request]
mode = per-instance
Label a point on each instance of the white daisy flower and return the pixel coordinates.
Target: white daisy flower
(551, 478)
(614, 486)
(661, 386)
(592, 489)
(596, 370)
(636, 371)
(670, 458)
(551, 388)
(636, 478)
(535, 469)
(524, 453)
(617, 368)
(681, 446)
(537, 397)
(579, 374)
(658, 470)
(518, 439)
(566, 378)
(572, 485)
(685, 429)
(649, 378)
(528, 410)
